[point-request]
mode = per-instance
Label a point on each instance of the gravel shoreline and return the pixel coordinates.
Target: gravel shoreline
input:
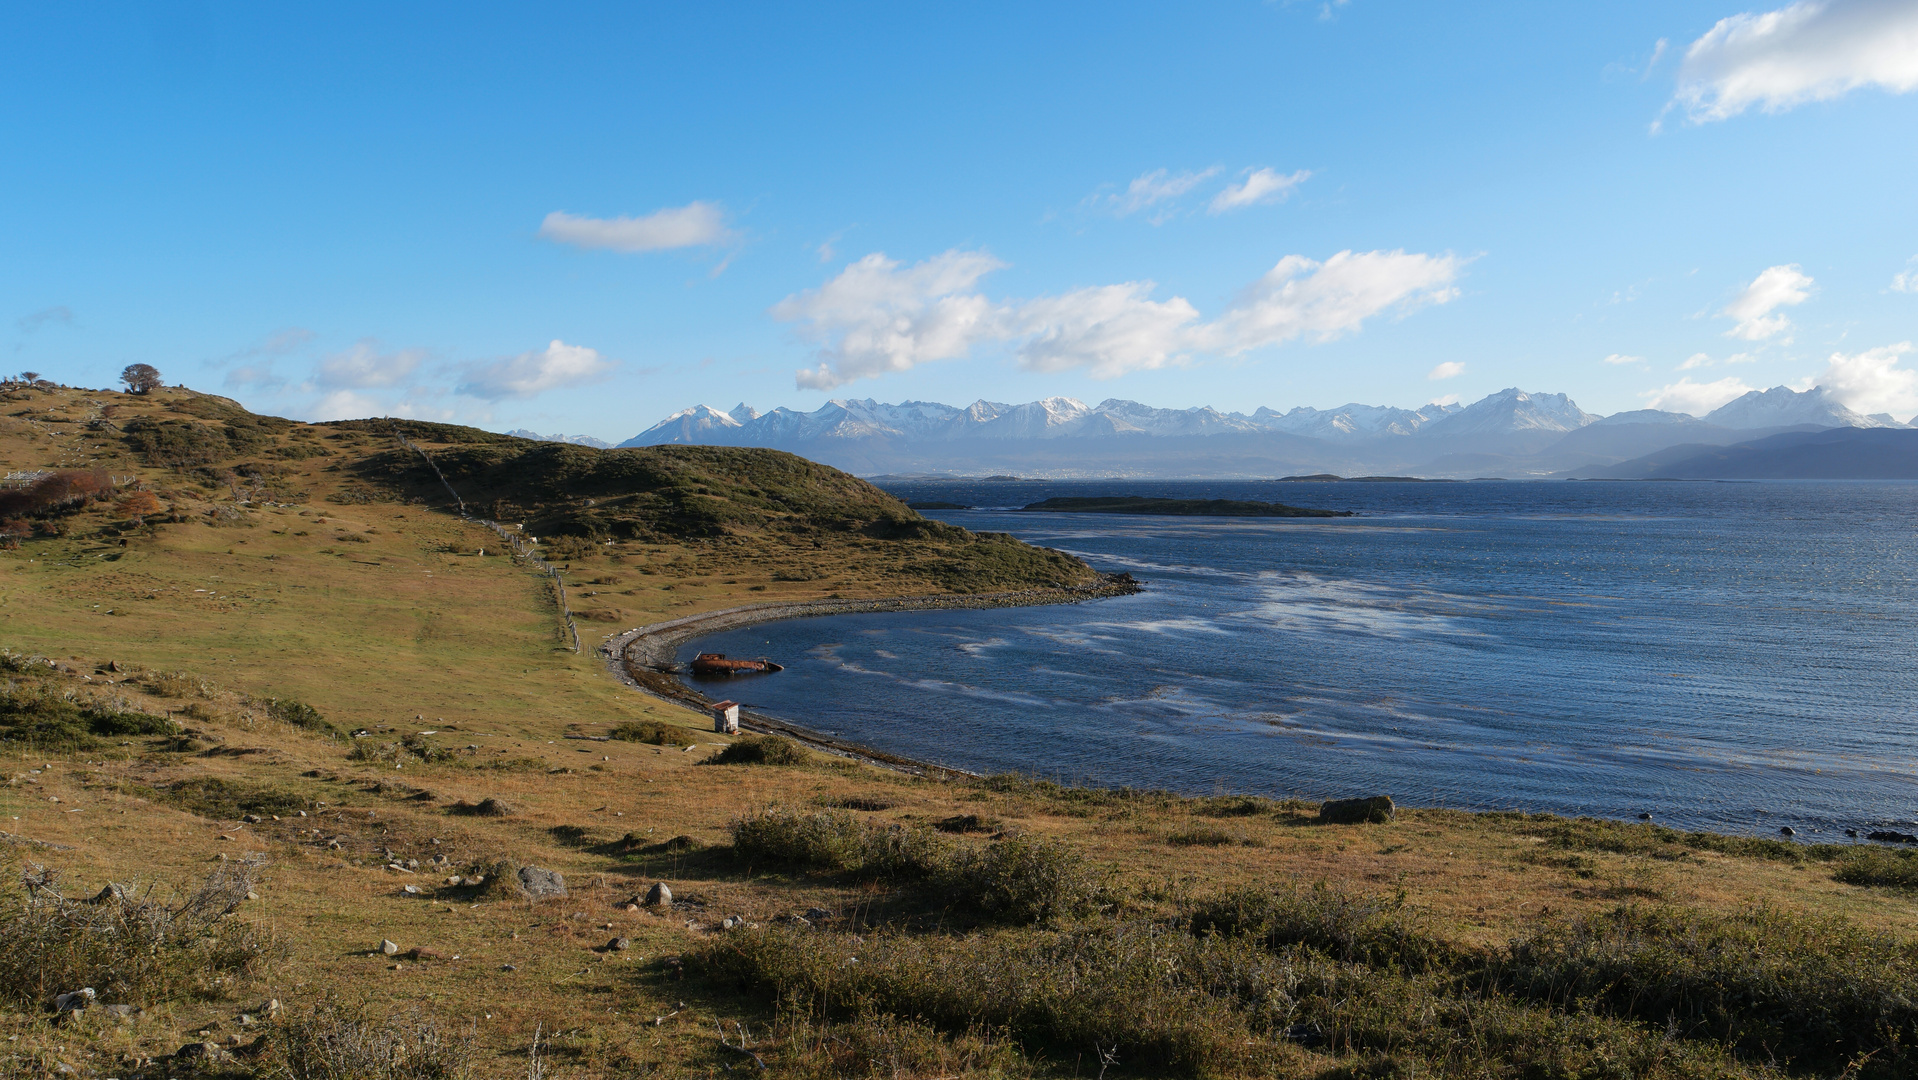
(644, 657)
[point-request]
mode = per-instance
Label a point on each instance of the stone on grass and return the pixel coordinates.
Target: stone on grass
(1377, 809)
(539, 883)
(619, 944)
(659, 895)
(202, 1053)
(389, 948)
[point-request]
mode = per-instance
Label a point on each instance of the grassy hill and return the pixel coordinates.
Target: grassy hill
(266, 661)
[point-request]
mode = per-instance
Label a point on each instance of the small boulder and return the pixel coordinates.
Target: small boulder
(411, 890)
(619, 944)
(1787, 830)
(659, 895)
(1378, 809)
(202, 1053)
(389, 948)
(252, 819)
(74, 1001)
(538, 883)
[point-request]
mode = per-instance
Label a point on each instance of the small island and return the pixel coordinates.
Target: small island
(1138, 504)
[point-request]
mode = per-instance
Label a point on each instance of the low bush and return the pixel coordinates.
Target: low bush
(338, 1041)
(1201, 836)
(1020, 879)
(1770, 984)
(653, 732)
(132, 946)
(1354, 927)
(299, 714)
(1879, 866)
(761, 750)
(39, 717)
(216, 797)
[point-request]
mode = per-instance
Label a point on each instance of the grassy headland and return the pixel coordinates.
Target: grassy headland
(294, 651)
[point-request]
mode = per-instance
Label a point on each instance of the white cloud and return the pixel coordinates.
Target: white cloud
(1814, 50)
(1696, 398)
(1259, 186)
(345, 405)
(1447, 370)
(694, 225)
(364, 366)
(59, 313)
(1449, 399)
(1906, 280)
(1108, 329)
(1621, 358)
(1300, 297)
(879, 316)
(875, 317)
(1872, 382)
(1695, 361)
(1154, 187)
(1776, 287)
(535, 372)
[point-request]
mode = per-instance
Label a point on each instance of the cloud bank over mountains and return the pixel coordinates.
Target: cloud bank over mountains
(879, 316)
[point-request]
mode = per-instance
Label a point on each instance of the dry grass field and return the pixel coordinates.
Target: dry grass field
(294, 655)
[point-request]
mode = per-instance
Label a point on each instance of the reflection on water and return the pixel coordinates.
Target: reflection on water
(1732, 656)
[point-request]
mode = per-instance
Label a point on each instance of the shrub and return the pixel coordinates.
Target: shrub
(1879, 866)
(1347, 926)
(761, 750)
(215, 797)
(1020, 879)
(1201, 836)
(337, 1041)
(1769, 983)
(41, 718)
(130, 945)
(651, 731)
(299, 714)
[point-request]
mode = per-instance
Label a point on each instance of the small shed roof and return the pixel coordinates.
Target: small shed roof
(722, 706)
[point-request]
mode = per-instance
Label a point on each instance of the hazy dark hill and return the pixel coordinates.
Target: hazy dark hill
(1834, 454)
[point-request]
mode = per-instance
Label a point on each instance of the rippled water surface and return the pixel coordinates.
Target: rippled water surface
(1734, 656)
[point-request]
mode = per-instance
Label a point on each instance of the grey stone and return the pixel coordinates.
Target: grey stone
(619, 944)
(814, 914)
(202, 1053)
(1377, 809)
(74, 1001)
(659, 895)
(252, 819)
(538, 883)
(1787, 830)
(389, 948)
(412, 890)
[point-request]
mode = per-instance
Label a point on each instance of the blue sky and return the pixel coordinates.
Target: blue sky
(578, 218)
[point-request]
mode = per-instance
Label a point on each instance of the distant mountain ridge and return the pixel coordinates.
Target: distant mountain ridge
(1511, 432)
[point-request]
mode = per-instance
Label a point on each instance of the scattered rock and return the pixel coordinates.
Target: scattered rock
(1787, 830)
(1853, 833)
(814, 914)
(455, 880)
(732, 922)
(619, 944)
(1644, 817)
(1377, 809)
(412, 890)
(389, 948)
(509, 967)
(1890, 836)
(74, 1001)
(252, 819)
(659, 895)
(475, 881)
(114, 892)
(631, 906)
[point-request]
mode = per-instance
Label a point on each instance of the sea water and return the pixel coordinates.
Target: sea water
(1730, 656)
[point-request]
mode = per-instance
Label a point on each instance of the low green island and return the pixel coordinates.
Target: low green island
(1138, 504)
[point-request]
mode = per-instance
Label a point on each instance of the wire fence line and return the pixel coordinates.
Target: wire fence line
(515, 543)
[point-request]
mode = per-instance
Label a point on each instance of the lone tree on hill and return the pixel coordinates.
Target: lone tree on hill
(140, 378)
(29, 377)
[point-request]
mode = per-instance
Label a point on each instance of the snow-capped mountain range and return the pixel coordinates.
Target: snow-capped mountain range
(1512, 432)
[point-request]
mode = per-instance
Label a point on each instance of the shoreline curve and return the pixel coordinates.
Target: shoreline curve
(644, 657)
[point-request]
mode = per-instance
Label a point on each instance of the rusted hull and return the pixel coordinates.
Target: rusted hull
(711, 664)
